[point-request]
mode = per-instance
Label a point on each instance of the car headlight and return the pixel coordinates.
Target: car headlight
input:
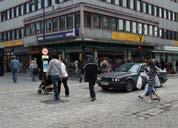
(99, 78)
(117, 79)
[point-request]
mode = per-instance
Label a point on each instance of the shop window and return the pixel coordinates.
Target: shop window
(62, 23)
(113, 24)
(49, 25)
(87, 19)
(77, 19)
(96, 21)
(105, 22)
(69, 19)
(55, 24)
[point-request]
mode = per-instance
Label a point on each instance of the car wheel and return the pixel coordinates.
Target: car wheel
(129, 86)
(105, 88)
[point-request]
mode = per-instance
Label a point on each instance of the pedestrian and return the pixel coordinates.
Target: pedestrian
(15, 68)
(33, 70)
(64, 77)
(151, 81)
(54, 70)
(91, 71)
(81, 75)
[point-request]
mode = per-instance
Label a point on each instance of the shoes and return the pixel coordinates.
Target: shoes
(56, 98)
(93, 99)
(67, 95)
(140, 97)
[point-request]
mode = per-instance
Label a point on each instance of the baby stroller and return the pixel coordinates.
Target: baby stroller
(46, 85)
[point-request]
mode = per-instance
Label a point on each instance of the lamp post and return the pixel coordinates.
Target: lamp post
(42, 2)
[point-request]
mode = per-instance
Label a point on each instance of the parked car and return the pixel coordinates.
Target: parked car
(126, 76)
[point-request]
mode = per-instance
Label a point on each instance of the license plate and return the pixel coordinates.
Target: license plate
(104, 83)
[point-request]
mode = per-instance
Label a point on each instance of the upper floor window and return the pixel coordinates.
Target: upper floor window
(132, 4)
(124, 3)
(127, 25)
(87, 19)
(160, 12)
(150, 9)
(117, 2)
(70, 21)
(105, 22)
(121, 25)
(138, 5)
(96, 21)
(134, 27)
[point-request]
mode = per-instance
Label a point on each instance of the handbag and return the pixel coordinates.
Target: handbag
(139, 82)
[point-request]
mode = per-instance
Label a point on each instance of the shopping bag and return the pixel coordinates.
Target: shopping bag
(157, 81)
(139, 82)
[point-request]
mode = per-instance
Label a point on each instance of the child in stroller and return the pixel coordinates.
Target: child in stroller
(45, 85)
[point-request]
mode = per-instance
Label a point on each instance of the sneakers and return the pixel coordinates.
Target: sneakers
(140, 97)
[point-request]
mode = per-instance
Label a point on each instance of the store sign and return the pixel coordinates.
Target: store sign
(170, 48)
(12, 43)
(58, 36)
(126, 37)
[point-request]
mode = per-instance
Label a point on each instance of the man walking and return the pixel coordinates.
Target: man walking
(91, 71)
(54, 70)
(15, 68)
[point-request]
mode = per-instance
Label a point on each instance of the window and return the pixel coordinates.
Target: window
(150, 30)
(121, 24)
(140, 29)
(77, 19)
(27, 30)
(160, 12)
(62, 24)
(39, 4)
(173, 16)
(117, 2)
(22, 9)
(134, 27)
(55, 24)
(27, 7)
(155, 10)
(144, 7)
(160, 33)
(17, 11)
(155, 31)
(138, 5)
(32, 29)
(96, 21)
(131, 4)
(165, 13)
(37, 28)
(150, 9)
(12, 12)
(48, 25)
(113, 24)
(145, 29)
(124, 3)
(108, 1)
(127, 23)
(105, 22)
(70, 21)
(87, 19)
(8, 14)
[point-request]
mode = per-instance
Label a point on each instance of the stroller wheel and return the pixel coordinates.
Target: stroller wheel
(39, 91)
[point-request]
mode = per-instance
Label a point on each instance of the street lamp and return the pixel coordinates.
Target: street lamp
(42, 2)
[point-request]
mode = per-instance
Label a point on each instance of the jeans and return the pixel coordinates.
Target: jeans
(55, 79)
(14, 75)
(146, 90)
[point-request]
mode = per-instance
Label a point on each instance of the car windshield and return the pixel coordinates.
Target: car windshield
(130, 67)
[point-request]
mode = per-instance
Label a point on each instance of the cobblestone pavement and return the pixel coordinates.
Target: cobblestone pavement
(22, 107)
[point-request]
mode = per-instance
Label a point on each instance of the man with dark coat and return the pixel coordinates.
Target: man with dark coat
(91, 71)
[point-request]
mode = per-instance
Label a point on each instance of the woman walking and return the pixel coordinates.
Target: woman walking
(151, 81)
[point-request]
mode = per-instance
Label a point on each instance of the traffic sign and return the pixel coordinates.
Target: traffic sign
(45, 51)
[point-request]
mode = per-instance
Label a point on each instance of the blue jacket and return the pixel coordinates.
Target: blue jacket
(15, 64)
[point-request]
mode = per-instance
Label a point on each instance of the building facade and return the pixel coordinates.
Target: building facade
(116, 29)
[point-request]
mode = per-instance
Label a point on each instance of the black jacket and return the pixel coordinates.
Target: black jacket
(90, 70)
